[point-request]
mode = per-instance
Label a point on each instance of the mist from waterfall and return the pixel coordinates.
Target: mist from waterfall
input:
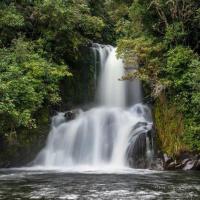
(103, 136)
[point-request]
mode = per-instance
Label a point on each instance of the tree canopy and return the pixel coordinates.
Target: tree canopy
(38, 40)
(163, 37)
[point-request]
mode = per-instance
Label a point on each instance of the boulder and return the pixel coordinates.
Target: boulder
(198, 164)
(71, 114)
(167, 159)
(185, 161)
(190, 165)
(157, 164)
(179, 166)
(171, 166)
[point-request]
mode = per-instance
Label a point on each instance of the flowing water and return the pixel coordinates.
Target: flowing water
(124, 185)
(102, 136)
(89, 157)
(111, 91)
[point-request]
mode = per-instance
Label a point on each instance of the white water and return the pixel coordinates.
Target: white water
(97, 138)
(111, 91)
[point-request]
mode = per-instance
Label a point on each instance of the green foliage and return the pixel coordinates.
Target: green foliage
(179, 60)
(11, 21)
(10, 17)
(183, 72)
(65, 26)
(147, 53)
(115, 16)
(162, 38)
(27, 82)
(169, 127)
(39, 39)
(192, 136)
(175, 33)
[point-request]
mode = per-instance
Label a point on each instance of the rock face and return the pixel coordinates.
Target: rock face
(185, 161)
(157, 164)
(72, 114)
(139, 153)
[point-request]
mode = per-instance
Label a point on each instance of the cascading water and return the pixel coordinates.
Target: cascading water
(105, 136)
(111, 92)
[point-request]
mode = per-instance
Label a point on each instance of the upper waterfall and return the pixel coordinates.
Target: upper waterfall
(110, 135)
(111, 91)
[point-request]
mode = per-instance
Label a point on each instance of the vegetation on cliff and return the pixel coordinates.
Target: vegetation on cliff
(163, 37)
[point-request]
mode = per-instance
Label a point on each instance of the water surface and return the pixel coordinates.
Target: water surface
(118, 185)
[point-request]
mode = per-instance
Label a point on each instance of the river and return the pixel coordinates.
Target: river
(117, 185)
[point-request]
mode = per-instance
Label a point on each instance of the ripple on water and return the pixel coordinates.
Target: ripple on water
(69, 196)
(26, 184)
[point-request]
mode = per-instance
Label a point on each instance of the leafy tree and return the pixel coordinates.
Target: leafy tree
(64, 26)
(28, 81)
(31, 66)
(11, 21)
(162, 37)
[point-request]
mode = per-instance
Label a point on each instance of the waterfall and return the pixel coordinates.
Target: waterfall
(111, 92)
(107, 136)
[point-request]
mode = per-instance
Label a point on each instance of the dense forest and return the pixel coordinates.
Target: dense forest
(40, 44)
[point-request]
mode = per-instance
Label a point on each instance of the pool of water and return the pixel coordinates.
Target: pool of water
(117, 185)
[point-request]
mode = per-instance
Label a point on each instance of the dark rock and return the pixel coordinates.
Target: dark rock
(157, 164)
(167, 159)
(140, 124)
(198, 165)
(185, 161)
(72, 114)
(179, 166)
(190, 165)
(171, 166)
(136, 152)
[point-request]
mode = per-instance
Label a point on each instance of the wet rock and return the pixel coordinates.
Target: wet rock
(185, 161)
(167, 159)
(157, 164)
(136, 152)
(190, 165)
(179, 166)
(72, 114)
(171, 166)
(140, 124)
(198, 165)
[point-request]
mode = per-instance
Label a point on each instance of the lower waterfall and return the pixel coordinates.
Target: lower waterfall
(110, 135)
